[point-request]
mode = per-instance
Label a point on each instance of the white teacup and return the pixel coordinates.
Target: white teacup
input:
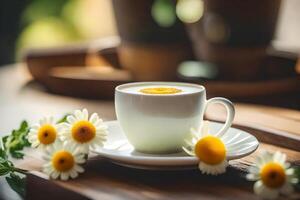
(159, 123)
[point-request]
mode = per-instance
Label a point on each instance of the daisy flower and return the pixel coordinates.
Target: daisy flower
(84, 132)
(43, 134)
(63, 161)
(273, 175)
(210, 149)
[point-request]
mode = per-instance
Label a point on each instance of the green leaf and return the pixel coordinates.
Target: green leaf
(13, 144)
(5, 167)
(163, 13)
(17, 155)
(2, 160)
(16, 183)
(4, 170)
(4, 140)
(297, 173)
(23, 127)
(3, 154)
(17, 141)
(63, 119)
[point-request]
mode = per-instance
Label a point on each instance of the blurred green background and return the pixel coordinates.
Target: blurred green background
(46, 23)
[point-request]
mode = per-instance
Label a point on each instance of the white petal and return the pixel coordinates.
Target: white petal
(259, 161)
(258, 187)
(78, 114)
(79, 169)
(84, 148)
(47, 165)
(213, 169)
(57, 146)
(32, 137)
(254, 170)
(252, 177)
(98, 124)
(35, 127)
(32, 132)
(290, 171)
(76, 146)
(188, 151)
(80, 160)
(59, 127)
(49, 120)
(77, 151)
(68, 148)
(85, 114)
(73, 174)
(279, 157)
(35, 144)
(189, 143)
(80, 156)
(94, 118)
(71, 119)
(63, 138)
(49, 170)
(94, 146)
(32, 140)
(100, 138)
(267, 156)
(64, 176)
(101, 130)
(195, 134)
(65, 125)
(46, 120)
(55, 175)
(43, 121)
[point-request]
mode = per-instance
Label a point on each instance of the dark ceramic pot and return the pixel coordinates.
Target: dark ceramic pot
(149, 51)
(234, 35)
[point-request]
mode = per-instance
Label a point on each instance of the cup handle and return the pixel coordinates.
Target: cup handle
(230, 112)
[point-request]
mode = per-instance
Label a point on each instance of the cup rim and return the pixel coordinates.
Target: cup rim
(120, 87)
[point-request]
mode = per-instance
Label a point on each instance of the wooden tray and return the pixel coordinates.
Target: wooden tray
(96, 53)
(87, 82)
(281, 84)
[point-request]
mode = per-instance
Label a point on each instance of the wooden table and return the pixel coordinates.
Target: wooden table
(20, 98)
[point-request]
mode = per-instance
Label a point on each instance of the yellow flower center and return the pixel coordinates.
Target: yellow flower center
(63, 161)
(83, 131)
(272, 175)
(47, 134)
(160, 90)
(210, 150)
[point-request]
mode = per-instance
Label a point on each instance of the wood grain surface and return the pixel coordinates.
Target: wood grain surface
(104, 180)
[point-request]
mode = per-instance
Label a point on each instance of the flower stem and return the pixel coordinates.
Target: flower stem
(21, 171)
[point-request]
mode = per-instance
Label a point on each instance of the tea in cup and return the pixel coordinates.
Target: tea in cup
(156, 117)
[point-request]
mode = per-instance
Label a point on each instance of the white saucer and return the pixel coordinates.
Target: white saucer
(119, 151)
